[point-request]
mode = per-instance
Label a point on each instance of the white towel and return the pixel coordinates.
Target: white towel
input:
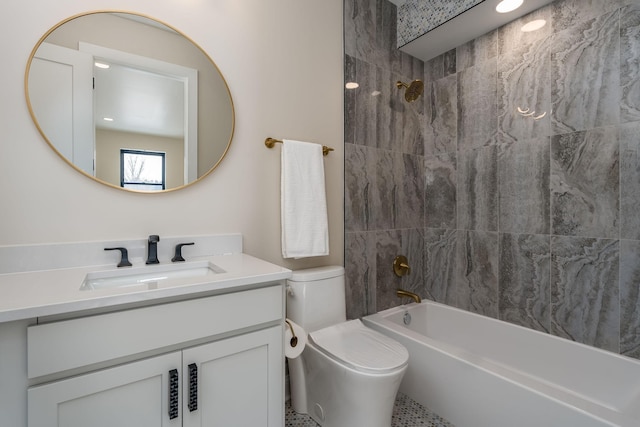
(305, 229)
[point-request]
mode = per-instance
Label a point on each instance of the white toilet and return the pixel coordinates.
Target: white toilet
(348, 375)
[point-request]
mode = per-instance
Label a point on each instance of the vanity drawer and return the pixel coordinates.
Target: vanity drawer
(70, 344)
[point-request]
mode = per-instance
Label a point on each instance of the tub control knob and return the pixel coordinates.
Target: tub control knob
(401, 266)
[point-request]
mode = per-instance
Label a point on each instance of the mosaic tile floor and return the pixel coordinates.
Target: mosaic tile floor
(406, 413)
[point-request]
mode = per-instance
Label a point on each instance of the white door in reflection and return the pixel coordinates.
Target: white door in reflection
(60, 92)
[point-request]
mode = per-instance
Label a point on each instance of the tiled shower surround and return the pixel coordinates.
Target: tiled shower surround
(532, 218)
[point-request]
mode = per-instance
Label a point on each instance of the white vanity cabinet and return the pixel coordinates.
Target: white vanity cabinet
(135, 394)
(212, 361)
(234, 381)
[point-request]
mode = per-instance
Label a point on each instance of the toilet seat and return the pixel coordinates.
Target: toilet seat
(361, 348)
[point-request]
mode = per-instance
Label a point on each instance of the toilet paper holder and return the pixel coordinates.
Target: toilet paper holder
(294, 339)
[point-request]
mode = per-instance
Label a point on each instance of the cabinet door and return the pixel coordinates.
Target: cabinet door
(131, 395)
(240, 382)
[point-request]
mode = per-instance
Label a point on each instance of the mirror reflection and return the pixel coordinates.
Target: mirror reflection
(129, 101)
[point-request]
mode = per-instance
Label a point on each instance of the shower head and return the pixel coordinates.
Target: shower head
(413, 90)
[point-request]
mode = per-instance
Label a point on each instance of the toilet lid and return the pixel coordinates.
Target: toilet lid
(361, 347)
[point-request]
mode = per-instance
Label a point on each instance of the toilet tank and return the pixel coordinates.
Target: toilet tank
(316, 297)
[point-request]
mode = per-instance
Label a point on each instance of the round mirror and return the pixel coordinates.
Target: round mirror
(129, 101)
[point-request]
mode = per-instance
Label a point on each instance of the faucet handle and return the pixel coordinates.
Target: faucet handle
(401, 266)
(124, 256)
(178, 255)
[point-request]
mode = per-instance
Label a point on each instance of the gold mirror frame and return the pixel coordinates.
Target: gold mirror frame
(68, 161)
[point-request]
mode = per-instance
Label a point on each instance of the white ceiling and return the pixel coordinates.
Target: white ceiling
(139, 101)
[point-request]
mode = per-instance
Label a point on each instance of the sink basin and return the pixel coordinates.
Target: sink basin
(148, 275)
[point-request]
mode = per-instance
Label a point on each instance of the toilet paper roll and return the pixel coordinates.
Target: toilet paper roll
(295, 341)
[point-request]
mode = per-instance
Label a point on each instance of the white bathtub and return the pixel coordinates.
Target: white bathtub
(480, 372)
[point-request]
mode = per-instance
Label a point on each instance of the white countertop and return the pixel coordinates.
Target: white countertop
(50, 292)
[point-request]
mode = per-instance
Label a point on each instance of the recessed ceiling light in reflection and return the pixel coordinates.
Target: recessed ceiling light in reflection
(533, 25)
(101, 65)
(351, 85)
(376, 93)
(508, 5)
(107, 119)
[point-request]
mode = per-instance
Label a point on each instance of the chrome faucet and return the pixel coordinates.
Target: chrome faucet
(402, 293)
(152, 249)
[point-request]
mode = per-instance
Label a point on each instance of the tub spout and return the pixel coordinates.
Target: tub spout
(402, 293)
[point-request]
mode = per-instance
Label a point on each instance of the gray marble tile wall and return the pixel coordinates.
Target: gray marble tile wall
(384, 160)
(513, 183)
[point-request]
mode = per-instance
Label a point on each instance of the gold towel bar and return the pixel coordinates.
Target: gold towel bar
(270, 142)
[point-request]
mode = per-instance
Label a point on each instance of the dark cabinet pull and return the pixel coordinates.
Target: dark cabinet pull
(174, 386)
(193, 387)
